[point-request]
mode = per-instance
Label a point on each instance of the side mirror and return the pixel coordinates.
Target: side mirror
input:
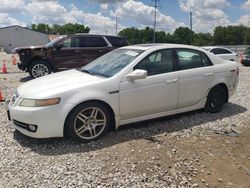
(137, 74)
(58, 46)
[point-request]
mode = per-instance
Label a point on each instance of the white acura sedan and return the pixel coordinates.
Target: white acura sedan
(127, 85)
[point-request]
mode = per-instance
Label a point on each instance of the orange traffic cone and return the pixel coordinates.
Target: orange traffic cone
(13, 60)
(1, 97)
(4, 68)
(241, 58)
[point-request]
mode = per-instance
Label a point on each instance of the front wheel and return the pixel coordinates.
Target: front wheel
(39, 68)
(215, 100)
(88, 122)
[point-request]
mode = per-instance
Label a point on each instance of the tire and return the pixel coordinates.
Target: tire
(215, 100)
(39, 68)
(82, 123)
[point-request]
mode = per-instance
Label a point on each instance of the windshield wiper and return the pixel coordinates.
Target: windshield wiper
(87, 71)
(94, 73)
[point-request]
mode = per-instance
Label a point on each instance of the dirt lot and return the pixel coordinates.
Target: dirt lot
(194, 149)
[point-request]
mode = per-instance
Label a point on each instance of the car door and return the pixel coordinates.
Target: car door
(196, 75)
(155, 94)
(93, 47)
(69, 55)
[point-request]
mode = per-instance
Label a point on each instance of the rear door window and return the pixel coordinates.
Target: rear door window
(189, 59)
(92, 42)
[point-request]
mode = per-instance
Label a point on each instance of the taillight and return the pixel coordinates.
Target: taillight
(237, 71)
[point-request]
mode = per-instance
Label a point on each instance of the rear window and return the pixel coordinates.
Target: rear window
(117, 41)
(220, 51)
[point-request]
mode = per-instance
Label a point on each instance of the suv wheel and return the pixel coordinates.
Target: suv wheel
(39, 68)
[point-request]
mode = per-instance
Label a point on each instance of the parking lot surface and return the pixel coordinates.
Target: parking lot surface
(195, 149)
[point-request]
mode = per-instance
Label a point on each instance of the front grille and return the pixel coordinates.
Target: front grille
(24, 125)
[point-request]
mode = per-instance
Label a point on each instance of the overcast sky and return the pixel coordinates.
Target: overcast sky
(99, 15)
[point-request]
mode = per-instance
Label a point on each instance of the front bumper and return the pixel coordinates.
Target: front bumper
(48, 121)
(21, 66)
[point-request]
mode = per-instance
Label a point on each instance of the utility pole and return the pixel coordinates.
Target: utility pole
(155, 7)
(191, 26)
(245, 38)
(116, 24)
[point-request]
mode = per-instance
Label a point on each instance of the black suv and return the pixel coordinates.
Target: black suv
(67, 52)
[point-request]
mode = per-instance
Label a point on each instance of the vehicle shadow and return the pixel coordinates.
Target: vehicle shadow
(25, 79)
(143, 130)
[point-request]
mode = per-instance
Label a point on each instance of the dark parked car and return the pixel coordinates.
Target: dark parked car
(67, 52)
(246, 57)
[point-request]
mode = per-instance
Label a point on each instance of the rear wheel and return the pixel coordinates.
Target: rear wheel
(215, 100)
(39, 68)
(88, 122)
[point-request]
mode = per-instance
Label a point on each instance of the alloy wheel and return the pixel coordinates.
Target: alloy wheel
(90, 123)
(39, 70)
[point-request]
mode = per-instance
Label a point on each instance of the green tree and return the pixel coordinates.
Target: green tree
(68, 28)
(230, 35)
(202, 39)
(183, 35)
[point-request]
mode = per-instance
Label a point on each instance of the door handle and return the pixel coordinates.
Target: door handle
(171, 81)
(208, 74)
(77, 51)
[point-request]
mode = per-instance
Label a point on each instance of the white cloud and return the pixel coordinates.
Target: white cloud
(207, 14)
(6, 20)
(48, 12)
(244, 20)
(144, 15)
(11, 6)
(246, 5)
(108, 1)
(97, 22)
(54, 13)
(104, 7)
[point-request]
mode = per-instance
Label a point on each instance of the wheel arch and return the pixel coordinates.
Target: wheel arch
(40, 58)
(224, 86)
(110, 109)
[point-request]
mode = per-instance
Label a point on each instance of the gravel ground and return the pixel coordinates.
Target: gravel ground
(194, 149)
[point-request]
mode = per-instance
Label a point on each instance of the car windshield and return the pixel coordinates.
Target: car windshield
(51, 43)
(111, 63)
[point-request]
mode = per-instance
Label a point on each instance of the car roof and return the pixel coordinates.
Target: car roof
(160, 45)
(212, 47)
(96, 35)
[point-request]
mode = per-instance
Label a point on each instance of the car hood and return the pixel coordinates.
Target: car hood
(18, 49)
(56, 83)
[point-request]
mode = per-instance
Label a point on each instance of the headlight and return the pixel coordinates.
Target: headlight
(39, 102)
